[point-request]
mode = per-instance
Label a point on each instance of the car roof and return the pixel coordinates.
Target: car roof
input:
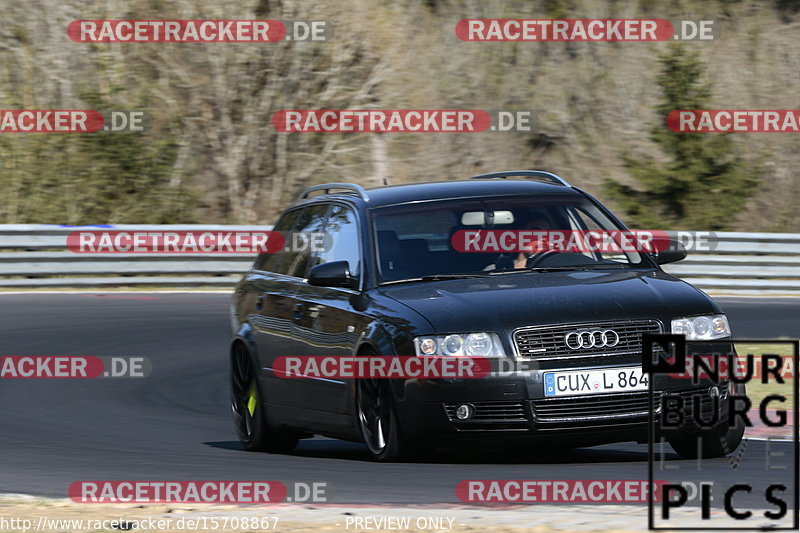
(443, 190)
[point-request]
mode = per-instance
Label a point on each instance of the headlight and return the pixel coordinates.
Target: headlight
(701, 328)
(462, 344)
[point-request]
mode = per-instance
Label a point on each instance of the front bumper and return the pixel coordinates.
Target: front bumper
(515, 406)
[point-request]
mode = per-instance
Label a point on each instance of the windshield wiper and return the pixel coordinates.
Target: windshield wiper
(599, 266)
(436, 277)
(559, 268)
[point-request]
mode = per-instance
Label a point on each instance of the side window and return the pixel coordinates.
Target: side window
(311, 220)
(583, 220)
(341, 234)
(273, 262)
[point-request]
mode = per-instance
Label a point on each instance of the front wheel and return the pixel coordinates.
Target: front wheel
(718, 441)
(247, 407)
(378, 421)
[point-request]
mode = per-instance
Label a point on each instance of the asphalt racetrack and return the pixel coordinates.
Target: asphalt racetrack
(175, 424)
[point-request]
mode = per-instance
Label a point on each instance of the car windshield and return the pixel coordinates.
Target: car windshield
(492, 236)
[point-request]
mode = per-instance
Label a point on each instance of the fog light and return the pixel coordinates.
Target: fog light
(465, 411)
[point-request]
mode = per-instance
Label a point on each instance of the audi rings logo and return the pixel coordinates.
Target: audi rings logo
(596, 338)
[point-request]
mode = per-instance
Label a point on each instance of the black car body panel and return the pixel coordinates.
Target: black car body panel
(277, 314)
(504, 303)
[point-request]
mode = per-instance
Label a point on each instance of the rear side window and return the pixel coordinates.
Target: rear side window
(341, 230)
(310, 220)
(272, 262)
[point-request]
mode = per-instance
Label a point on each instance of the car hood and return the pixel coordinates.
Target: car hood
(507, 301)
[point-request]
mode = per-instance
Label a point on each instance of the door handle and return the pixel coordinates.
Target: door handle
(260, 302)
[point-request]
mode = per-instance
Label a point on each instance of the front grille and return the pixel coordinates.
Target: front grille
(547, 342)
(608, 409)
(596, 408)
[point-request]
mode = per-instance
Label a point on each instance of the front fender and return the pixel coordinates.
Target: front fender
(245, 335)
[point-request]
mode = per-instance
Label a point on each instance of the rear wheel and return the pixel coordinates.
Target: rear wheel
(247, 407)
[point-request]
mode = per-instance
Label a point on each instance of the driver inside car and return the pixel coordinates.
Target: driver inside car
(537, 222)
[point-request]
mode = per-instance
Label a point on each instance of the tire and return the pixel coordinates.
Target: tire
(249, 418)
(379, 423)
(718, 441)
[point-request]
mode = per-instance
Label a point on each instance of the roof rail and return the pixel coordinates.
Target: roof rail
(327, 187)
(523, 173)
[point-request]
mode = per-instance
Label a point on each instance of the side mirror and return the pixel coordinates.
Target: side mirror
(334, 274)
(676, 251)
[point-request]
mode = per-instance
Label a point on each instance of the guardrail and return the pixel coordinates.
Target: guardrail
(35, 255)
(744, 263)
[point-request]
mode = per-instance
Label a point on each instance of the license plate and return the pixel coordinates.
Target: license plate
(598, 381)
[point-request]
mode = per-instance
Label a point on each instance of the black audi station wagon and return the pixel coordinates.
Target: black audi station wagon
(391, 283)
